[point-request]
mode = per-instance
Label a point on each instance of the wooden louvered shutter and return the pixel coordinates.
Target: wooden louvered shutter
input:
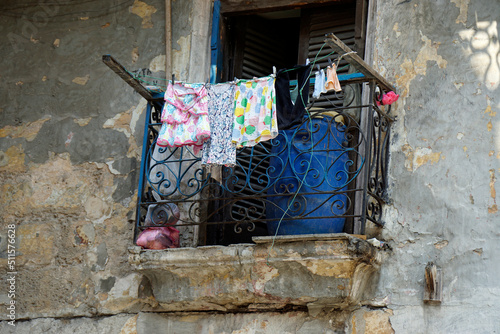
(344, 22)
(315, 24)
(259, 45)
(253, 45)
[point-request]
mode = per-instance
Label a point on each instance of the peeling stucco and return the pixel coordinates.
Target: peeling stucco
(144, 11)
(135, 54)
(415, 158)
(376, 321)
(81, 80)
(12, 160)
(121, 122)
(490, 111)
(130, 327)
(489, 126)
(29, 131)
(463, 5)
(82, 121)
(396, 29)
(157, 64)
(263, 274)
(493, 193)
(428, 52)
(441, 244)
(330, 268)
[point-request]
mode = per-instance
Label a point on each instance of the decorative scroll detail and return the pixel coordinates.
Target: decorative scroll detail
(377, 182)
(308, 172)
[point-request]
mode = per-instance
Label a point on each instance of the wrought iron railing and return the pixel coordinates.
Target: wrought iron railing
(330, 171)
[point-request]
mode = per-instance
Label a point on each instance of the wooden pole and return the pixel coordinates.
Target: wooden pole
(125, 75)
(352, 58)
(168, 39)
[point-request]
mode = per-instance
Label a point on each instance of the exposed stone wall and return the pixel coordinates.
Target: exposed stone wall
(292, 322)
(70, 145)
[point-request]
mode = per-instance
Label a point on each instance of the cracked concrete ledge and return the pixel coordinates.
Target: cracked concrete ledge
(317, 271)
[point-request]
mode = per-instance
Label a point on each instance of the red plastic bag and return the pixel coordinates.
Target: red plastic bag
(159, 238)
(157, 235)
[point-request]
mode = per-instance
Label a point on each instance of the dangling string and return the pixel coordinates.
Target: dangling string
(316, 59)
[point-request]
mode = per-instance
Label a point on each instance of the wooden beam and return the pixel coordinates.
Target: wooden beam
(122, 72)
(352, 58)
(360, 26)
(230, 7)
(168, 39)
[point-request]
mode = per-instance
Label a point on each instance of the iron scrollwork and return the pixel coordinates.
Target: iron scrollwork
(311, 171)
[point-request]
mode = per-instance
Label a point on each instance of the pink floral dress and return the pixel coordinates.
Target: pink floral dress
(185, 116)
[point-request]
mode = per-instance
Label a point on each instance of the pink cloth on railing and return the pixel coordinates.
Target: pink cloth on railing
(389, 98)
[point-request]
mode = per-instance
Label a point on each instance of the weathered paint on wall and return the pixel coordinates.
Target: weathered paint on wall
(317, 274)
(70, 146)
(443, 57)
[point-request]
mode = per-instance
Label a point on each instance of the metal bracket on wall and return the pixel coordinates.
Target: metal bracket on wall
(433, 293)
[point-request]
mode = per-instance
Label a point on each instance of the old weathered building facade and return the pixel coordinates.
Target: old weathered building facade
(71, 137)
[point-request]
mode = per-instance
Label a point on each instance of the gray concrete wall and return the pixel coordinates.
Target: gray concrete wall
(443, 56)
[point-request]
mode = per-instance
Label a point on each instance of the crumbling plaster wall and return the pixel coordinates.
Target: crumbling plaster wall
(443, 57)
(70, 144)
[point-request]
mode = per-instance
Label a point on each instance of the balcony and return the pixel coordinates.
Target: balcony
(327, 175)
(329, 172)
(285, 227)
(312, 272)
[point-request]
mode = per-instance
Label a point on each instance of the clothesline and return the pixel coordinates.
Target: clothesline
(258, 108)
(292, 82)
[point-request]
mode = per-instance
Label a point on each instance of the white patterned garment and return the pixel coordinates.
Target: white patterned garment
(219, 149)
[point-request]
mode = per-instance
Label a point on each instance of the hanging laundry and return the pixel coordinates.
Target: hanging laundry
(254, 111)
(219, 148)
(291, 112)
(185, 116)
(319, 83)
(332, 81)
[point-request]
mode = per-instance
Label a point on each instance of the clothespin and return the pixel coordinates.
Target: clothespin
(319, 67)
(274, 70)
(173, 79)
(307, 61)
(330, 61)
